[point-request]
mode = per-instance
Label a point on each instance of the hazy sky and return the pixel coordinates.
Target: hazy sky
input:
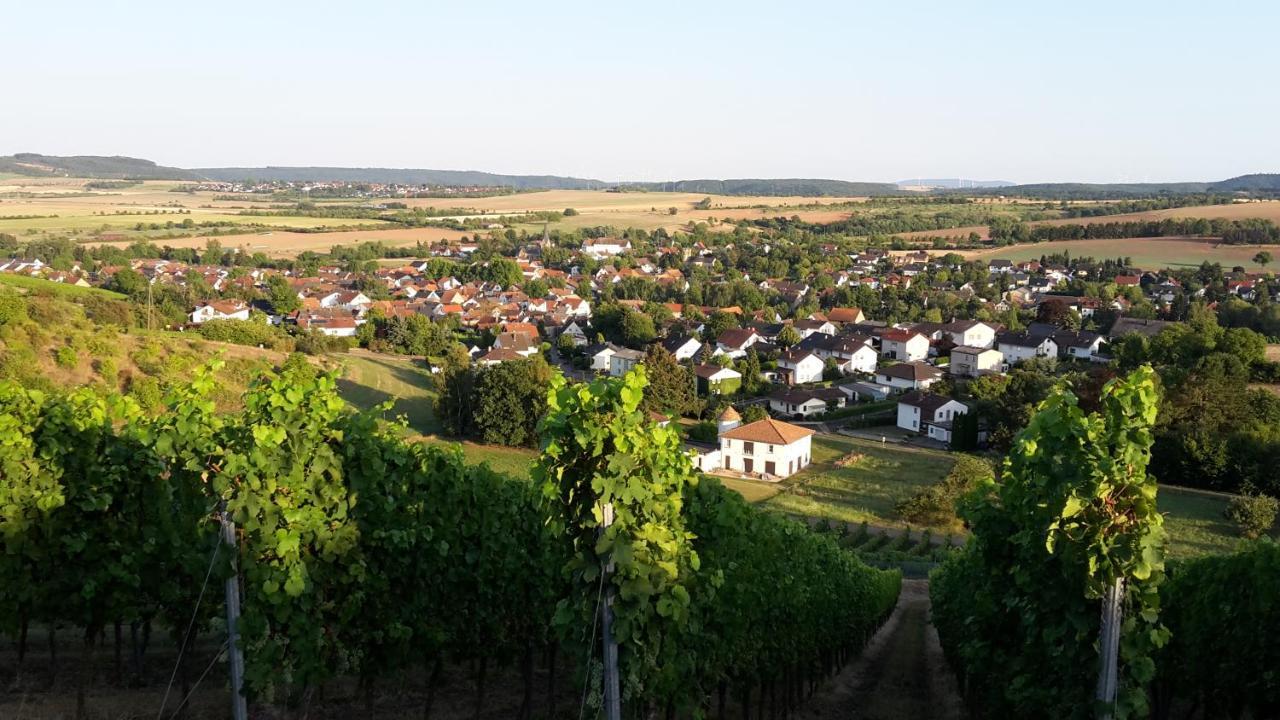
(1027, 91)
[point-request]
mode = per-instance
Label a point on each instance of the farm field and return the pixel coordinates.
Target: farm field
(282, 243)
(1264, 210)
(1148, 253)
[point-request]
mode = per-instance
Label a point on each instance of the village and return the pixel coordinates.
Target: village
(816, 365)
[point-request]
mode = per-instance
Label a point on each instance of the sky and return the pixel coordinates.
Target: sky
(1025, 91)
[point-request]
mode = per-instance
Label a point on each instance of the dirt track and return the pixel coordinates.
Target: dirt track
(901, 674)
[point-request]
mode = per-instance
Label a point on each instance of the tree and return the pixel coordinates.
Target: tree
(637, 328)
(789, 336)
(1263, 258)
(509, 398)
(752, 413)
(284, 299)
(672, 387)
(570, 212)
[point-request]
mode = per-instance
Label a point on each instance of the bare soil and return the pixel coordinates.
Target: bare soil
(901, 675)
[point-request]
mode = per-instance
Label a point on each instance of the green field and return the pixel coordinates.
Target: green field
(866, 490)
(1195, 522)
(127, 222)
(370, 380)
(1151, 253)
(869, 489)
(63, 290)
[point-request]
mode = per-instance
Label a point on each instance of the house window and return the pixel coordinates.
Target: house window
(770, 449)
(748, 448)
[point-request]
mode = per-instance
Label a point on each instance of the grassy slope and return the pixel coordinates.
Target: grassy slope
(869, 489)
(372, 379)
(63, 290)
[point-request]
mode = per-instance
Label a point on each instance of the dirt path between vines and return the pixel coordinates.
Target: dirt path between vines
(901, 674)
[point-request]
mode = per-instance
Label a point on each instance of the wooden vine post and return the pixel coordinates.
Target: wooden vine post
(612, 685)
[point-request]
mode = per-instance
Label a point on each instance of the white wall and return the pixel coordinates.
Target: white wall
(787, 459)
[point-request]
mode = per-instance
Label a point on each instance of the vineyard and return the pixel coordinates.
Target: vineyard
(363, 559)
(1074, 516)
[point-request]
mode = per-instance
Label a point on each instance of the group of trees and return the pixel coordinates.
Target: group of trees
(1215, 430)
(498, 404)
(1232, 232)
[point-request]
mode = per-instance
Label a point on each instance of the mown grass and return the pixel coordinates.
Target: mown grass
(1195, 522)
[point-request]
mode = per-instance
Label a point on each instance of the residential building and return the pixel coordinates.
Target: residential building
(904, 345)
(1023, 345)
(714, 379)
(908, 376)
(768, 448)
(683, 347)
(801, 403)
(622, 360)
(971, 333)
(797, 367)
(929, 414)
(969, 361)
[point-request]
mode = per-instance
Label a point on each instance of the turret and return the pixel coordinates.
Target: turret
(729, 419)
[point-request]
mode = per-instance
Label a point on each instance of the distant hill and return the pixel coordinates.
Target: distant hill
(127, 168)
(789, 187)
(1258, 182)
(780, 186)
(90, 166)
(1261, 184)
(952, 183)
(405, 176)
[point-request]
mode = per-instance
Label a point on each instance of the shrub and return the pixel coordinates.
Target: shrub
(1253, 514)
(704, 432)
(12, 308)
(66, 357)
(936, 504)
(106, 367)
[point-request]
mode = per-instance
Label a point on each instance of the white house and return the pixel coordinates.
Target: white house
(219, 310)
(605, 247)
(1019, 346)
(600, 355)
(853, 353)
(969, 361)
(518, 342)
(971, 333)
(682, 347)
(768, 448)
(804, 402)
(621, 362)
(909, 376)
(929, 414)
(905, 345)
(1082, 345)
(866, 392)
(735, 341)
(800, 366)
(575, 333)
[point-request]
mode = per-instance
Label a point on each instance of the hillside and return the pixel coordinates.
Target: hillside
(405, 176)
(114, 167)
(1257, 182)
(806, 187)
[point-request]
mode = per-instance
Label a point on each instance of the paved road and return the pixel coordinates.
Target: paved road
(901, 675)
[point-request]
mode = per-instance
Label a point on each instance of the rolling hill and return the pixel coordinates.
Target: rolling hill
(113, 167)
